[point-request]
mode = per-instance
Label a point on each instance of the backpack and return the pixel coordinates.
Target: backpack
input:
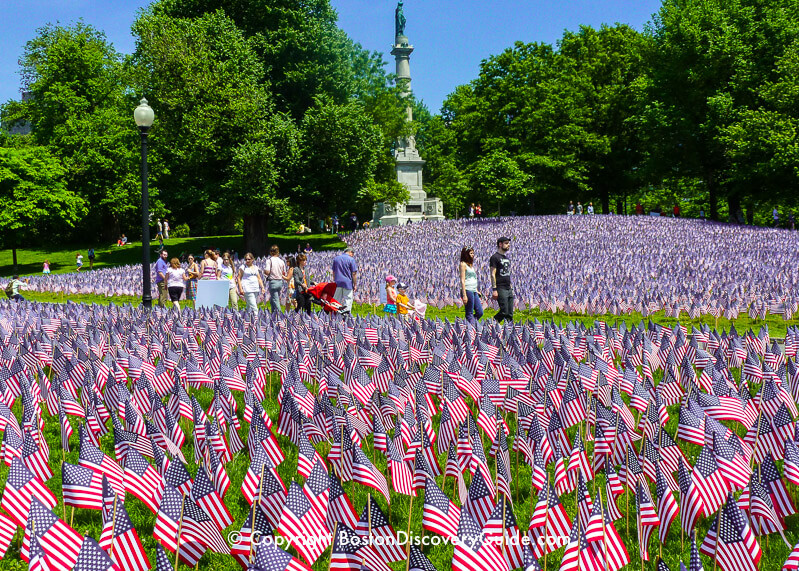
(9, 289)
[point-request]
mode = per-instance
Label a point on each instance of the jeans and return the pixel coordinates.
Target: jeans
(251, 298)
(474, 309)
(505, 302)
(303, 301)
(275, 288)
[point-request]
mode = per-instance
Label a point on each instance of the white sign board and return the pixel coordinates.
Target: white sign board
(212, 292)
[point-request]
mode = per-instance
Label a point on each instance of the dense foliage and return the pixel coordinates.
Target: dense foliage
(268, 114)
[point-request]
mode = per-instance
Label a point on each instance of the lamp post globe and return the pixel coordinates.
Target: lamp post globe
(144, 117)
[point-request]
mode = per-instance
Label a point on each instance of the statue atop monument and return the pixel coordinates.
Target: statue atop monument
(399, 20)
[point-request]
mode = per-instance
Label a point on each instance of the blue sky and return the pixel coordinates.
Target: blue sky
(451, 37)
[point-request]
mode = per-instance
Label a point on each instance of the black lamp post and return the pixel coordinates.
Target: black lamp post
(144, 116)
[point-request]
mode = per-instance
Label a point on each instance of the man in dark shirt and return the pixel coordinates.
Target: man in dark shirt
(500, 280)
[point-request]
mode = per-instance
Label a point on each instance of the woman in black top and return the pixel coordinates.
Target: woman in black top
(301, 283)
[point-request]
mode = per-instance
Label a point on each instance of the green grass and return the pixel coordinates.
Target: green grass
(90, 521)
(777, 326)
(29, 261)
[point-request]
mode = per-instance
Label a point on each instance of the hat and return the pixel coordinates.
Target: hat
(503, 239)
(402, 285)
(390, 278)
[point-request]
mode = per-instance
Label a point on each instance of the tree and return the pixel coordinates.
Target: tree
(78, 107)
(714, 70)
(34, 199)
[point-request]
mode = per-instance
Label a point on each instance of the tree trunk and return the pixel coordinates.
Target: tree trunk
(710, 180)
(605, 197)
(733, 205)
(256, 234)
(619, 207)
(14, 259)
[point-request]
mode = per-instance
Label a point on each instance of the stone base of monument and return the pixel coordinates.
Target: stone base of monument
(413, 210)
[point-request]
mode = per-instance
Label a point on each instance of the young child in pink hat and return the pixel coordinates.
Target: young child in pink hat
(391, 295)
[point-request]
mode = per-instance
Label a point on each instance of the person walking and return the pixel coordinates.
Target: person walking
(46, 267)
(345, 274)
(192, 275)
(471, 210)
(478, 211)
(579, 208)
(403, 302)
(300, 278)
(274, 271)
(675, 212)
(91, 258)
(469, 287)
(391, 295)
(161, 267)
(570, 209)
(353, 222)
(250, 283)
(175, 282)
(78, 260)
(590, 208)
(166, 229)
(209, 269)
(500, 280)
(227, 271)
(14, 287)
(775, 214)
(159, 235)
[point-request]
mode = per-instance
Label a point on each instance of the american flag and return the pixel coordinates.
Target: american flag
(91, 557)
(374, 523)
(204, 494)
(167, 524)
(473, 552)
(667, 506)
(647, 518)
(299, 520)
(364, 471)
(269, 557)
(578, 554)
(350, 551)
(142, 480)
(418, 561)
(22, 486)
(255, 529)
(120, 540)
(440, 515)
(730, 540)
(339, 506)
(480, 500)
(61, 543)
(549, 520)
(708, 481)
(35, 457)
(756, 500)
(502, 527)
(692, 506)
(93, 458)
(81, 487)
(8, 529)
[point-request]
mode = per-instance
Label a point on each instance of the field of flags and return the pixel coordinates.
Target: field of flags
(148, 440)
(590, 265)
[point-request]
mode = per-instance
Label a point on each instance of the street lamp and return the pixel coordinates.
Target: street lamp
(143, 115)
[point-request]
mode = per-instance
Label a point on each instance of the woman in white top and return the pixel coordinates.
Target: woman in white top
(250, 283)
(175, 276)
(470, 293)
(227, 271)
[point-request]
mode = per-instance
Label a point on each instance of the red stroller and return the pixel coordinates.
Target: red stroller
(322, 294)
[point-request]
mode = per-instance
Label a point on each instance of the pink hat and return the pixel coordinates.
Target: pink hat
(390, 278)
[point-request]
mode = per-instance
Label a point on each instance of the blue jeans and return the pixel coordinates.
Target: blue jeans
(275, 288)
(474, 309)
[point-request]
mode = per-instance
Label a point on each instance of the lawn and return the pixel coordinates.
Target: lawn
(29, 261)
(777, 326)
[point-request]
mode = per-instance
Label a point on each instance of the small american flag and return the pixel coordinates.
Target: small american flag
(299, 520)
(440, 515)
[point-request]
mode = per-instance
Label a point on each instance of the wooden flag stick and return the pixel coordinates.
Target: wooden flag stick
(256, 501)
(180, 531)
(546, 526)
(332, 546)
(408, 535)
(369, 515)
(113, 526)
(71, 516)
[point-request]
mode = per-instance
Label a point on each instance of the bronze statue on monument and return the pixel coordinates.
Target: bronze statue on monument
(399, 21)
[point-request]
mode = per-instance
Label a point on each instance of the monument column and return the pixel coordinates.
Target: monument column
(409, 164)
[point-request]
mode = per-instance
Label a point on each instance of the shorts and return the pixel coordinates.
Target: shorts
(175, 293)
(390, 308)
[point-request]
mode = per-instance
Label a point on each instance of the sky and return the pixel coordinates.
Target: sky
(450, 37)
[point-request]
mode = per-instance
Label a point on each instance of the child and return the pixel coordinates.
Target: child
(79, 260)
(403, 303)
(391, 295)
(46, 267)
